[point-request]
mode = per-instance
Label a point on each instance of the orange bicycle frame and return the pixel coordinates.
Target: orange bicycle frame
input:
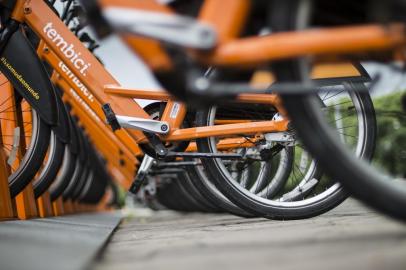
(74, 63)
(60, 43)
(249, 51)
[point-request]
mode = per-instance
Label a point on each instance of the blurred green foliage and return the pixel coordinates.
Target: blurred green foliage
(390, 152)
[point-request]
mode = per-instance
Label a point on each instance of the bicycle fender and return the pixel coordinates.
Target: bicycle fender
(62, 129)
(22, 67)
(74, 137)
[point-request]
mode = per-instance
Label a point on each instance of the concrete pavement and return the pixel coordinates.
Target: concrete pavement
(349, 237)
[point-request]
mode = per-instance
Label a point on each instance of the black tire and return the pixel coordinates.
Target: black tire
(361, 180)
(51, 167)
(194, 195)
(94, 188)
(33, 158)
(80, 184)
(68, 170)
(97, 181)
(76, 184)
(242, 198)
(74, 179)
(201, 181)
(170, 196)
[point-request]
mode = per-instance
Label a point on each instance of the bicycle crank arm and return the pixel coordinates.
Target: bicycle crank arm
(147, 125)
(179, 30)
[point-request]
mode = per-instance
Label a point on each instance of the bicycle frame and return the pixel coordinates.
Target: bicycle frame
(234, 51)
(95, 78)
(91, 82)
(320, 72)
(117, 154)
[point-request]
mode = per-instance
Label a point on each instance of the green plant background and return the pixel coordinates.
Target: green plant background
(390, 150)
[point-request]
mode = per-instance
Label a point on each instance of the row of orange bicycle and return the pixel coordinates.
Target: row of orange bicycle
(266, 110)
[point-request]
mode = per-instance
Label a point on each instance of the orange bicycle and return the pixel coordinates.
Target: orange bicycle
(370, 30)
(230, 145)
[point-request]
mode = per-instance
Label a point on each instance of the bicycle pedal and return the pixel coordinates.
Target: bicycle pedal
(142, 173)
(137, 183)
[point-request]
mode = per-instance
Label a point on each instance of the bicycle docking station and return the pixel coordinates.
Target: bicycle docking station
(45, 205)
(6, 205)
(24, 205)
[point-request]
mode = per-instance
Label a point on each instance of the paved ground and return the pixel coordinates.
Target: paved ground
(68, 242)
(349, 237)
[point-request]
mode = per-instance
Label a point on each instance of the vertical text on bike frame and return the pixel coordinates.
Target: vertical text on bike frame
(67, 50)
(76, 81)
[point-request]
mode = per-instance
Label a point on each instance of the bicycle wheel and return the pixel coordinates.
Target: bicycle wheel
(171, 195)
(363, 180)
(307, 191)
(199, 177)
(51, 166)
(67, 173)
(24, 138)
(370, 182)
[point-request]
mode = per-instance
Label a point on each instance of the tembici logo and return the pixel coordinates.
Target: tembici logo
(67, 49)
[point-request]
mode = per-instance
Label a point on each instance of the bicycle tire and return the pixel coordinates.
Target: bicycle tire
(362, 181)
(51, 166)
(65, 174)
(183, 180)
(170, 196)
(33, 158)
(285, 17)
(212, 194)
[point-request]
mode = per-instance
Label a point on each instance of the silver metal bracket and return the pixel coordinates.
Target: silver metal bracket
(179, 30)
(287, 138)
(14, 148)
(147, 125)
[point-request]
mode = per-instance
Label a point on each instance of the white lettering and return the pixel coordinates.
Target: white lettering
(76, 82)
(68, 50)
(85, 106)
